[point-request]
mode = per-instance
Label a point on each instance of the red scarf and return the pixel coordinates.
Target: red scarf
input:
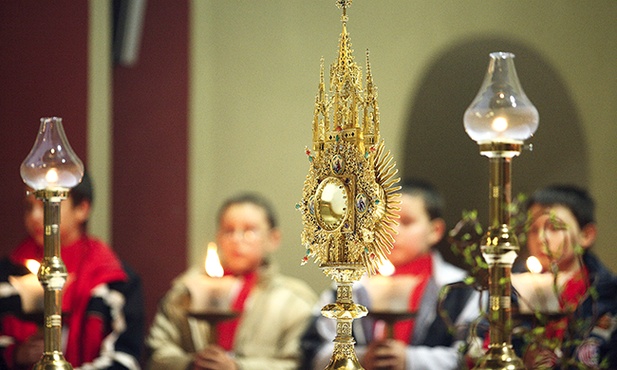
(573, 292)
(226, 330)
(421, 267)
(89, 263)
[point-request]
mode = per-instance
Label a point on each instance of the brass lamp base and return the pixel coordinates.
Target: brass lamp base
(500, 357)
(53, 361)
(344, 311)
(344, 363)
(344, 356)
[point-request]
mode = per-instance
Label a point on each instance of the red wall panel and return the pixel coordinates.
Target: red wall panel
(43, 72)
(150, 115)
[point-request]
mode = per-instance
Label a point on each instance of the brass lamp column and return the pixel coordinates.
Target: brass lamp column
(350, 192)
(51, 169)
(499, 119)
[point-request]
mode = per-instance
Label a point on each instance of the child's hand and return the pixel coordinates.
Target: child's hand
(213, 358)
(388, 354)
(30, 351)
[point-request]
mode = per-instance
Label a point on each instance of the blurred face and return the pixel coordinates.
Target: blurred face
(553, 236)
(71, 219)
(417, 233)
(245, 238)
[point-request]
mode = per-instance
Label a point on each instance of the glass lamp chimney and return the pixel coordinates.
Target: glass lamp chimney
(501, 112)
(51, 163)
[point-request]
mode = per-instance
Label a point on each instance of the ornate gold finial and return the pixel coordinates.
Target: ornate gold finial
(343, 4)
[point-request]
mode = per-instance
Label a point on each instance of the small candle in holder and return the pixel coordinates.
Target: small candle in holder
(211, 291)
(29, 288)
(390, 295)
(536, 289)
(389, 292)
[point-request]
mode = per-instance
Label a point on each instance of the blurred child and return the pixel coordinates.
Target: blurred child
(102, 303)
(561, 233)
(425, 342)
(274, 309)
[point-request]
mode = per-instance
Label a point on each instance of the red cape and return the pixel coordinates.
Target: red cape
(89, 263)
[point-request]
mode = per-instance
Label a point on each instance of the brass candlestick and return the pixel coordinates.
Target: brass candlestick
(52, 275)
(51, 169)
(350, 192)
(500, 248)
(499, 119)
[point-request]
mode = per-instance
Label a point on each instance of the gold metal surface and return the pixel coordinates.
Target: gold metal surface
(350, 193)
(499, 248)
(52, 274)
(52, 361)
(348, 157)
(500, 356)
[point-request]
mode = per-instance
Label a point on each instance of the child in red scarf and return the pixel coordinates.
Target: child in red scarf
(273, 309)
(93, 317)
(426, 341)
(561, 232)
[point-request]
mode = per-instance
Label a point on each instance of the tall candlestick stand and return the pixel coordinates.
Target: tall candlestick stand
(52, 275)
(51, 169)
(500, 248)
(499, 119)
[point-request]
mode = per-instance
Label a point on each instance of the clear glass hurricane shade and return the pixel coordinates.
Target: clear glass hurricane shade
(52, 163)
(501, 112)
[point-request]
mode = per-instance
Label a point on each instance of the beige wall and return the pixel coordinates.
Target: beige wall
(99, 115)
(255, 70)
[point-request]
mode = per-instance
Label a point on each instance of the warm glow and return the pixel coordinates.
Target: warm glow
(52, 176)
(386, 268)
(534, 265)
(500, 124)
(33, 266)
(213, 264)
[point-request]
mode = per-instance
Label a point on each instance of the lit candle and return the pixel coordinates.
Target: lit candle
(389, 292)
(213, 263)
(536, 289)
(29, 288)
(52, 176)
(211, 291)
(533, 265)
(33, 266)
(386, 268)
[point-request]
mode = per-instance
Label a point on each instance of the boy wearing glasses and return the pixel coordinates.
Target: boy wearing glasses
(273, 309)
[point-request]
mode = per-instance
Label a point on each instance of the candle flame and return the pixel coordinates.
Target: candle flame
(534, 265)
(386, 268)
(500, 124)
(33, 266)
(213, 264)
(52, 176)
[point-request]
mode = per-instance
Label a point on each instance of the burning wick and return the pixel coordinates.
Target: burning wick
(33, 266)
(533, 265)
(386, 268)
(213, 264)
(500, 124)
(52, 176)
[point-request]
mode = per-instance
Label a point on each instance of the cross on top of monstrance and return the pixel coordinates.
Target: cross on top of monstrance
(350, 193)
